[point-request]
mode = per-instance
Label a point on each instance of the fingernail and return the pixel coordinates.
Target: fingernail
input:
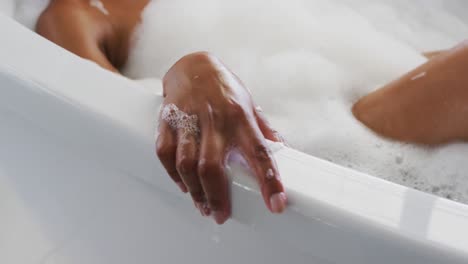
(219, 217)
(206, 209)
(278, 202)
(182, 187)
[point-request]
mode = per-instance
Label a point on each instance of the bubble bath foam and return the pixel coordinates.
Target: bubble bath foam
(306, 62)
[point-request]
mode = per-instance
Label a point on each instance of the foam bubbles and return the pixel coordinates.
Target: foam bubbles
(307, 61)
(179, 120)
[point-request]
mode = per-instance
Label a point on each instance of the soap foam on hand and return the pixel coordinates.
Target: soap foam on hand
(307, 61)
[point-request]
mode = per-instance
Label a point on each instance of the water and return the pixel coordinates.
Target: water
(306, 62)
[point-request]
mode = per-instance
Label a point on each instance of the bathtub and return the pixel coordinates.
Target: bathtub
(80, 183)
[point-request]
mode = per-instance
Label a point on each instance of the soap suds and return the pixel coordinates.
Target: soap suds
(179, 120)
(306, 62)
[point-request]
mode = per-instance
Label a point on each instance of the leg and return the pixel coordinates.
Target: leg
(429, 105)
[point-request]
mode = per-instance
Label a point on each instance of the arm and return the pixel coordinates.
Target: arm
(77, 31)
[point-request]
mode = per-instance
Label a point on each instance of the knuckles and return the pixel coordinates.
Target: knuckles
(208, 169)
(164, 150)
(236, 110)
(199, 57)
(186, 165)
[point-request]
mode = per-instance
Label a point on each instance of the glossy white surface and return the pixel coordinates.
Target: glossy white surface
(79, 183)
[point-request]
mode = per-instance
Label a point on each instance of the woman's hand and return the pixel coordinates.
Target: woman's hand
(218, 115)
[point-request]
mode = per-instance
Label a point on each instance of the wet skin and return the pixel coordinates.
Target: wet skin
(429, 105)
(431, 109)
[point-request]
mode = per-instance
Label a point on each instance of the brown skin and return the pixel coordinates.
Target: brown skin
(432, 109)
(87, 32)
(199, 84)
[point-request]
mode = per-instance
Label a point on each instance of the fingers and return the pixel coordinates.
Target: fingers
(197, 166)
(166, 150)
(267, 131)
(212, 175)
(186, 165)
(260, 159)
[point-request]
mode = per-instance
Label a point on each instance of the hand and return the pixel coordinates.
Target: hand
(203, 88)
